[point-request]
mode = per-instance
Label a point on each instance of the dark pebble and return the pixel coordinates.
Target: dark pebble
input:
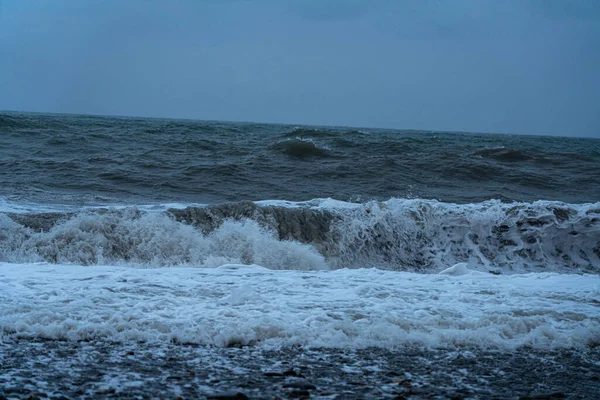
(16, 390)
(549, 396)
(357, 383)
(406, 383)
(299, 394)
(501, 228)
(300, 385)
(106, 391)
(227, 396)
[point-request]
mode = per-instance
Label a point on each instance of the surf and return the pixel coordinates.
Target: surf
(399, 234)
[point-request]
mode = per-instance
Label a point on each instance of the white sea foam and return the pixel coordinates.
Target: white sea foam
(151, 240)
(315, 204)
(21, 207)
(238, 304)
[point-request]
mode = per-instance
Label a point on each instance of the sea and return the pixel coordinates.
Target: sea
(310, 257)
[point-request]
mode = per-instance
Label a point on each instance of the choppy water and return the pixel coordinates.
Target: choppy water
(85, 160)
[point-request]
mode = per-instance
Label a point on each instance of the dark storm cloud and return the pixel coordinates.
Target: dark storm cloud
(504, 66)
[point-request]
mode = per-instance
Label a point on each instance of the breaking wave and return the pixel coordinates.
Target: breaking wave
(399, 234)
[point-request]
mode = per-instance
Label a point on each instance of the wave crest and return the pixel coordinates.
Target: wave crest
(399, 234)
(148, 239)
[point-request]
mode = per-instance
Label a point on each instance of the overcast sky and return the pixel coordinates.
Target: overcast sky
(514, 66)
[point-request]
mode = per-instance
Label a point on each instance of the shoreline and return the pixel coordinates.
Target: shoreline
(70, 369)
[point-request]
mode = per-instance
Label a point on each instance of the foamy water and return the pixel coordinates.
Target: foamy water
(240, 304)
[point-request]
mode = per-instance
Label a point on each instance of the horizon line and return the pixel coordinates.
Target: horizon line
(297, 124)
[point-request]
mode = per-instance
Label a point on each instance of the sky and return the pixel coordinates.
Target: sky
(510, 66)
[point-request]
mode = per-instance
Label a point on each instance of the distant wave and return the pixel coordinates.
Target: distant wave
(322, 132)
(305, 132)
(503, 154)
(15, 122)
(300, 148)
(399, 234)
(25, 122)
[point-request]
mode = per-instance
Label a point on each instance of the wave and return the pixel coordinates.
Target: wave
(324, 133)
(307, 132)
(149, 239)
(11, 122)
(509, 155)
(503, 154)
(399, 234)
(300, 148)
(29, 123)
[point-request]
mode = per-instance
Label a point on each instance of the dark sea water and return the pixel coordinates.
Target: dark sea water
(105, 160)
